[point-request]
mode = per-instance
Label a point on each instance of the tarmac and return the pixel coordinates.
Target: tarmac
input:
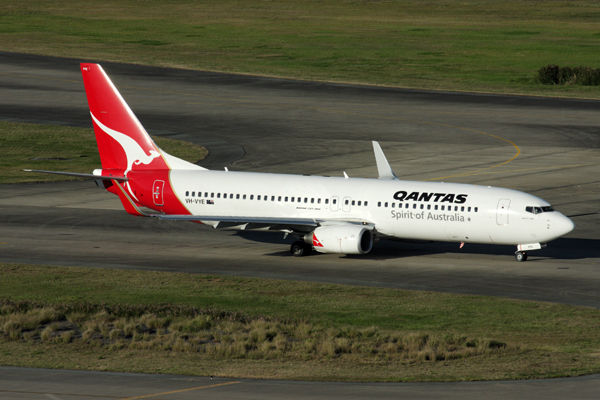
(546, 147)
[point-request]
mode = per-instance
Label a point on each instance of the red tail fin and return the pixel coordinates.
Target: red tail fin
(123, 142)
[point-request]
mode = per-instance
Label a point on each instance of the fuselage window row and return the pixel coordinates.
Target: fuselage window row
(285, 199)
(435, 207)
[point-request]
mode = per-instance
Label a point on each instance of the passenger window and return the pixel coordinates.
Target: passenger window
(393, 205)
(218, 195)
(266, 198)
(422, 206)
(435, 207)
(193, 194)
(462, 208)
(469, 209)
(429, 206)
(279, 198)
(312, 201)
(273, 198)
(386, 204)
(199, 194)
(443, 208)
(319, 200)
(306, 199)
(334, 201)
(251, 197)
(212, 195)
(258, 197)
(414, 206)
(476, 209)
(359, 202)
(286, 199)
(231, 196)
(378, 204)
(352, 202)
(293, 199)
(237, 196)
(205, 194)
(187, 194)
(366, 203)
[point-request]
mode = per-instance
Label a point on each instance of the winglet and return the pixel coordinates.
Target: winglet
(383, 167)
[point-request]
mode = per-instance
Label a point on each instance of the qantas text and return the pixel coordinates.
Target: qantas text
(435, 197)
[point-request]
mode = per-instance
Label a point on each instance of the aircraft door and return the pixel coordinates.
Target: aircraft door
(334, 206)
(157, 192)
(502, 211)
(346, 204)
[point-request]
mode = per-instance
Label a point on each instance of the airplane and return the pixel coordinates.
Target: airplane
(340, 215)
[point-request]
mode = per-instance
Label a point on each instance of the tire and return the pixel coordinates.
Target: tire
(299, 249)
(520, 256)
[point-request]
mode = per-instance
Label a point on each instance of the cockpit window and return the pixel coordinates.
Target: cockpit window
(538, 210)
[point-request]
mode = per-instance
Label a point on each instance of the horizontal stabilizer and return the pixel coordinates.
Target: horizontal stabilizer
(383, 167)
(87, 176)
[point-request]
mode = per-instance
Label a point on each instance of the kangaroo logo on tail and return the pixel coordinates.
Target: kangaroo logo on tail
(134, 152)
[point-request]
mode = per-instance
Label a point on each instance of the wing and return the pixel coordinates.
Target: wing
(263, 223)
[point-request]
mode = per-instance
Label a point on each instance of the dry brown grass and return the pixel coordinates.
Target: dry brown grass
(242, 338)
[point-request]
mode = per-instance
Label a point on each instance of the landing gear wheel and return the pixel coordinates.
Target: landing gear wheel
(521, 256)
(300, 249)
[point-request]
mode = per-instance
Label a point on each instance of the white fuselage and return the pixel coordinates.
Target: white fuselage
(401, 209)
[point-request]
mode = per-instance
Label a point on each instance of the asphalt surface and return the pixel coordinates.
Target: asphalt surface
(34, 384)
(270, 125)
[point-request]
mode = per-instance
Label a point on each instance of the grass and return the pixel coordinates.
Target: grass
(118, 320)
(491, 46)
(63, 148)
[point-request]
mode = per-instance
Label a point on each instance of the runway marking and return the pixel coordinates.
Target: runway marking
(531, 169)
(182, 390)
(53, 397)
(450, 126)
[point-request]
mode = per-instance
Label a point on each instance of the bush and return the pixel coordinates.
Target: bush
(555, 75)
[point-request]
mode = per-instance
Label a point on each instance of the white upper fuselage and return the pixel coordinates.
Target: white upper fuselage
(396, 208)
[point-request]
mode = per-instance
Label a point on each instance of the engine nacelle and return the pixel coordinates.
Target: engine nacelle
(341, 239)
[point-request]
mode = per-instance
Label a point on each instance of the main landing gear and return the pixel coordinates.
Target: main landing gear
(521, 256)
(300, 249)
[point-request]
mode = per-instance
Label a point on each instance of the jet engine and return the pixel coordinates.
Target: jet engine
(342, 239)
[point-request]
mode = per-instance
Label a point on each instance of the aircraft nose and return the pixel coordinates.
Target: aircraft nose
(562, 225)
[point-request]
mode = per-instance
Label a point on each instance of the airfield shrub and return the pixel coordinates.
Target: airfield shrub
(221, 334)
(554, 75)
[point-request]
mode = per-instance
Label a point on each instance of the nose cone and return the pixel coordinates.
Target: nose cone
(562, 225)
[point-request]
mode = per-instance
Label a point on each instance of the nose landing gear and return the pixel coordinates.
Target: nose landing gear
(521, 256)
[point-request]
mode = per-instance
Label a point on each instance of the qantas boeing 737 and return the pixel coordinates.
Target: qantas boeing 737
(329, 214)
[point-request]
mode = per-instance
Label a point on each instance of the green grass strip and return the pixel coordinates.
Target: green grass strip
(63, 148)
(285, 329)
(492, 46)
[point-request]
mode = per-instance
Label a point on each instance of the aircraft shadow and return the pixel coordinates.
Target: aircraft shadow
(560, 249)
